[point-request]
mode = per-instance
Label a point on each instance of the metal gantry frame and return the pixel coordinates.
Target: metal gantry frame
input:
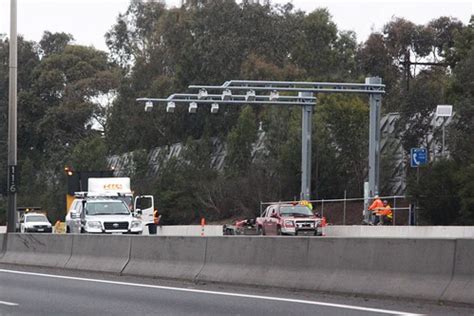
(250, 92)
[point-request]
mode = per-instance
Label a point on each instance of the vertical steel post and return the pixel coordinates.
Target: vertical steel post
(375, 101)
(394, 210)
(307, 115)
(344, 210)
(12, 122)
(442, 150)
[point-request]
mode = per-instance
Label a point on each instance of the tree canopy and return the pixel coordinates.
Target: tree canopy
(77, 106)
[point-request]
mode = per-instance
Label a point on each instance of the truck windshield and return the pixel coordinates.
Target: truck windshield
(295, 210)
(36, 218)
(106, 208)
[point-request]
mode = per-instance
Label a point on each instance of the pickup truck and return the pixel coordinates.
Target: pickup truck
(35, 223)
(289, 219)
(101, 215)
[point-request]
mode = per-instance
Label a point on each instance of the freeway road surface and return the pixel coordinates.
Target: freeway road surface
(24, 292)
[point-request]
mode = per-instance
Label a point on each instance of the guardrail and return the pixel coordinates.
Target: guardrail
(432, 269)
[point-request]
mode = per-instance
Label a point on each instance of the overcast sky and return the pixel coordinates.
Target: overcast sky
(88, 20)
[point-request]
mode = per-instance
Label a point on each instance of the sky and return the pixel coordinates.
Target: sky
(89, 20)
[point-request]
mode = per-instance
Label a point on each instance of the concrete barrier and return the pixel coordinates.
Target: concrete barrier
(383, 267)
(3, 244)
(37, 249)
(414, 268)
(166, 257)
(189, 230)
(102, 253)
(433, 269)
(256, 261)
(401, 231)
(461, 289)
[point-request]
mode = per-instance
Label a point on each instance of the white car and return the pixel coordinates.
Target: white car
(101, 215)
(35, 223)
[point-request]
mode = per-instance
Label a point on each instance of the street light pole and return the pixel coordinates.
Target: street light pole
(442, 150)
(445, 111)
(12, 121)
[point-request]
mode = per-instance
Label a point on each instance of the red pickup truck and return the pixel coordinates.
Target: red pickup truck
(289, 219)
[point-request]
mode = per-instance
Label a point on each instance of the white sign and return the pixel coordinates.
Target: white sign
(109, 185)
(444, 110)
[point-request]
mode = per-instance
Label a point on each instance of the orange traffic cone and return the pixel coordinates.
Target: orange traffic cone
(203, 223)
(323, 225)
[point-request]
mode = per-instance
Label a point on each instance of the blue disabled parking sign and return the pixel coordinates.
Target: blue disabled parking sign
(418, 157)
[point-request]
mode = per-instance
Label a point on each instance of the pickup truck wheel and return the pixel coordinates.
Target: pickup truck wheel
(278, 230)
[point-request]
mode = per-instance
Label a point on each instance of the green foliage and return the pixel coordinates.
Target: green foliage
(67, 91)
(90, 154)
(340, 121)
(417, 105)
(239, 142)
(445, 188)
(437, 193)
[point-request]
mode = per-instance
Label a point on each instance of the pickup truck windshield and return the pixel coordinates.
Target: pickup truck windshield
(36, 218)
(296, 210)
(106, 208)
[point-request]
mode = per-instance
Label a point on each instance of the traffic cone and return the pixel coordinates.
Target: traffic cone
(323, 226)
(203, 223)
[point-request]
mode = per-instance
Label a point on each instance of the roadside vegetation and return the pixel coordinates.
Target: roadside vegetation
(77, 107)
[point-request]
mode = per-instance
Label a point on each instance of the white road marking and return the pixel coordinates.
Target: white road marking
(268, 298)
(8, 303)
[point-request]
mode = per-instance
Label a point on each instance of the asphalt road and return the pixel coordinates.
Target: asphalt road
(29, 291)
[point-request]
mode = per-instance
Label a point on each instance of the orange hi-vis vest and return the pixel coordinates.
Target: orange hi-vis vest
(376, 205)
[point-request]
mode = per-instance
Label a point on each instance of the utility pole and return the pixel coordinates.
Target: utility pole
(12, 122)
(375, 101)
(307, 117)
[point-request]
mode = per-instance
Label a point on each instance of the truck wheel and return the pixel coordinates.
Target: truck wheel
(278, 231)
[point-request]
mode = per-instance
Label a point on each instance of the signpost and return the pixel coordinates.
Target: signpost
(418, 157)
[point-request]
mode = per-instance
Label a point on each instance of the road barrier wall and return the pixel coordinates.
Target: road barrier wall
(256, 261)
(102, 253)
(417, 268)
(433, 269)
(401, 231)
(461, 289)
(190, 230)
(44, 250)
(384, 267)
(3, 245)
(167, 257)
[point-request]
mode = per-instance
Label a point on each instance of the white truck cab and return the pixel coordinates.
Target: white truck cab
(97, 214)
(142, 206)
